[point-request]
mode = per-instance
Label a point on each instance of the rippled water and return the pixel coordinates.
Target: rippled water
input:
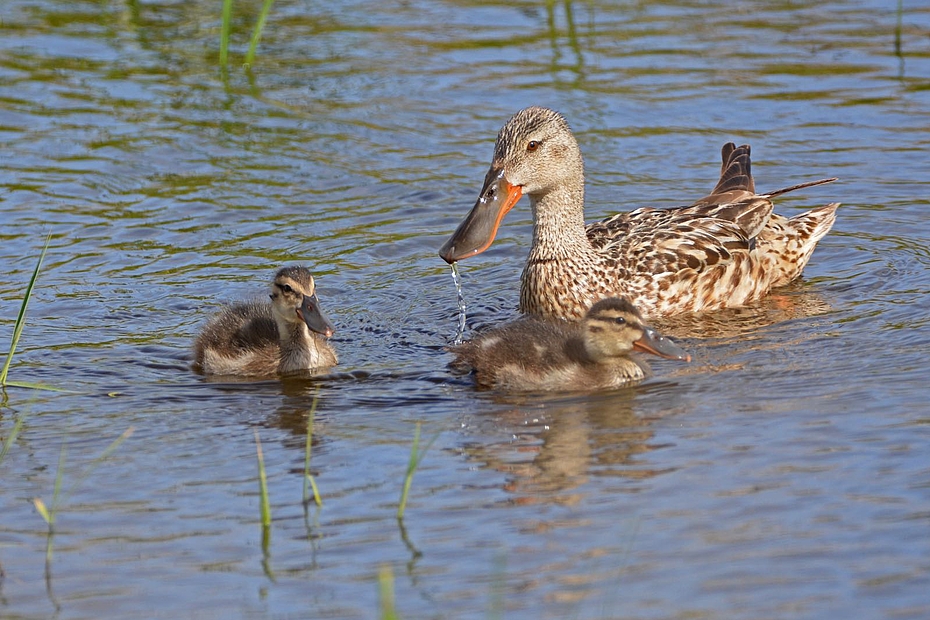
(783, 473)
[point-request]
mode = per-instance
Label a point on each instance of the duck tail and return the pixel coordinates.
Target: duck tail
(779, 192)
(736, 171)
(816, 223)
(792, 241)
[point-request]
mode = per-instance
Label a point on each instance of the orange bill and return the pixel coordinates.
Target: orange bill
(477, 231)
(657, 344)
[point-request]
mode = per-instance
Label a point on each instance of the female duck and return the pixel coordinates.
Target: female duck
(535, 354)
(725, 250)
(259, 338)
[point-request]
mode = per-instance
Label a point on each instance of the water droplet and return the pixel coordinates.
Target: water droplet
(460, 333)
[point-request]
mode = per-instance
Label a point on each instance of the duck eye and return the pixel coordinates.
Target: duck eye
(532, 145)
(620, 320)
(287, 288)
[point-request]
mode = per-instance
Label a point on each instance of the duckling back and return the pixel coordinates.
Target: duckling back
(241, 340)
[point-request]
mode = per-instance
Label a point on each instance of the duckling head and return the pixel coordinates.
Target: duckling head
(294, 301)
(614, 328)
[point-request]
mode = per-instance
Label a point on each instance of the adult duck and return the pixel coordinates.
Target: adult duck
(262, 338)
(725, 250)
(537, 354)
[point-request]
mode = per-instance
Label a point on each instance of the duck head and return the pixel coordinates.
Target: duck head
(293, 299)
(535, 153)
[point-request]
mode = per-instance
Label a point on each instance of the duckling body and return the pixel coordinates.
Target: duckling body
(535, 354)
(725, 250)
(256, 338)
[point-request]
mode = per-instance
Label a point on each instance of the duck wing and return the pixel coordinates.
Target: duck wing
(663, 241)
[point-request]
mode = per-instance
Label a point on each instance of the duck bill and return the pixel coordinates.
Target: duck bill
(313, 316)
(477, 231)
(657, 344)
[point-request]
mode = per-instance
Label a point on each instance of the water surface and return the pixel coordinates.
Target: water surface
(782, 474)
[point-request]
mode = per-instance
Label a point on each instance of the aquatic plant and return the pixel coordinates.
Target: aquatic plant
(11, 437)
(264, 508)
(386, 593)
(257, 32)
(226, 27)
(7, 442)
(416, 457)
(49, 512)
(18, 330)
(309, 482)
(265, 505)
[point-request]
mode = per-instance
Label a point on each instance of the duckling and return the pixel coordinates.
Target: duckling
(258, 338)
(538, 354)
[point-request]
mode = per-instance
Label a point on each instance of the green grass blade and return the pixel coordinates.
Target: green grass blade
(21, 319)
(42, 510)
(224, 33)
(37, 386)
(386, 593)
(316, 493)
(257, 32)
(416, 457)
(12, 436)
(262, 484)
(411, 467)
(309, 482)
(46, 512)
(103, 456)
(113, 446)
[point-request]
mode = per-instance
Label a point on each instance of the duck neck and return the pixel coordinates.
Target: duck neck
(558, 224)
(299, 347)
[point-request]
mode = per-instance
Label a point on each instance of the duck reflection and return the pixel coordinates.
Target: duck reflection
(561, 443)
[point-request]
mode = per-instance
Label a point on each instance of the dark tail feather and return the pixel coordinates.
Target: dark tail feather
(736, 171)
(779, 192)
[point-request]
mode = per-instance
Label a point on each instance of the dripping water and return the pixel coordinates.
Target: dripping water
(460, 332)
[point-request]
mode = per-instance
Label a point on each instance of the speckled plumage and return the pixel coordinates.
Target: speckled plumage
(538, 354)
(725, 250)
(258, 338)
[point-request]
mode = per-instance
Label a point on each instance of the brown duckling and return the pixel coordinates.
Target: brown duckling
(257, 338)
(536, 354)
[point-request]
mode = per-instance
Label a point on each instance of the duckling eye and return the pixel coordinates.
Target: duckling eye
(532, 145)
(620, 320)
(287, 288)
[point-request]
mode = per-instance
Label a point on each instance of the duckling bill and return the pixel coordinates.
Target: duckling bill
(536, 354)
(260, 338)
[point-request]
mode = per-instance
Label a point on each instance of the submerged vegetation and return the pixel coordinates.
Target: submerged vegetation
(226, 28)
(49, 512)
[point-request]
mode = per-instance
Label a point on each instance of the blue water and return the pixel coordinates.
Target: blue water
(781, 474)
